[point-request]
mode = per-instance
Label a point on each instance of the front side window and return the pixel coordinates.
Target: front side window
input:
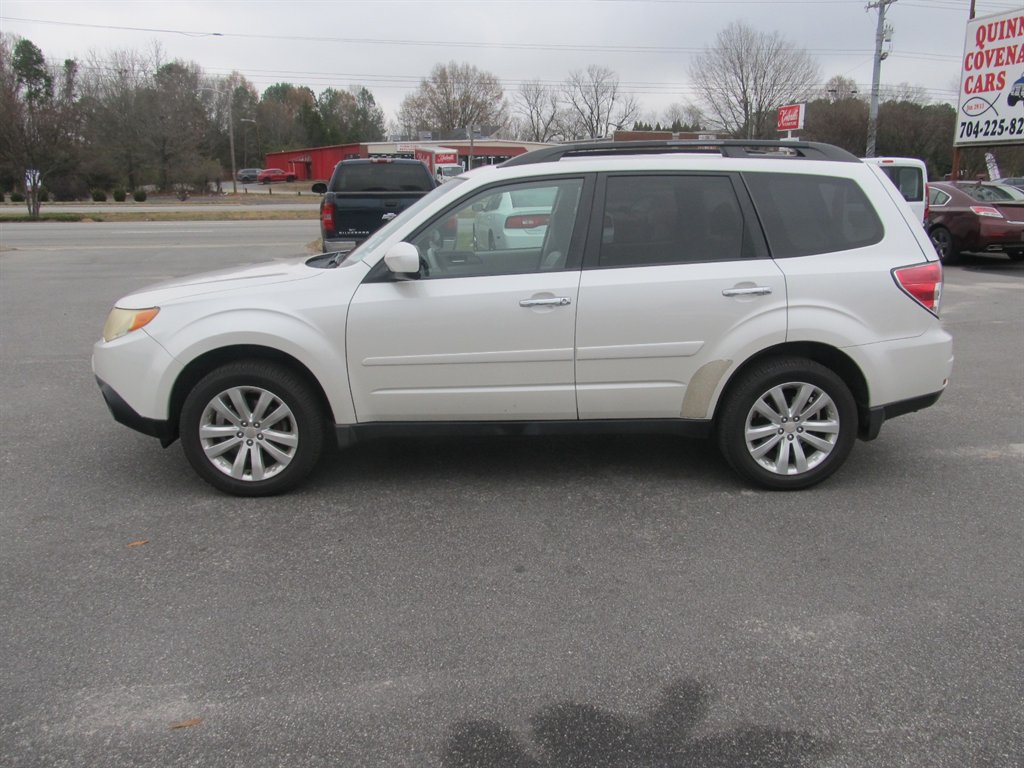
(665, 219)
(804, 215)
(508, 230)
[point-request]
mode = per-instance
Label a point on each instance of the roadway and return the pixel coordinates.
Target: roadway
(516, 602)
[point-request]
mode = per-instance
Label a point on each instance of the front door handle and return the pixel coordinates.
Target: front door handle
(557, 301)
(757, 290)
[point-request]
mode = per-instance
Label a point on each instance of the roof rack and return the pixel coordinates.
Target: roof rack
(809, 150)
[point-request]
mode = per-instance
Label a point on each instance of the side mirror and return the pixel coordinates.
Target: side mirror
(320, 188)
(403, 259)
(479, 207)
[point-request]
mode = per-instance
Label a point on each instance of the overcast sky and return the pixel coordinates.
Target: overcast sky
(388, 45)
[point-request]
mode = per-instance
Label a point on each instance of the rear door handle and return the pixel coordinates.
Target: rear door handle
(557, 301)
(757, 290)
(388, 216)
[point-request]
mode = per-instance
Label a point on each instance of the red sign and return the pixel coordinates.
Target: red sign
(791, 117)
(446, 158)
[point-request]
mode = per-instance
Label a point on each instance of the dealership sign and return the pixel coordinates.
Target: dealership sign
(990, 105)
(791, 117)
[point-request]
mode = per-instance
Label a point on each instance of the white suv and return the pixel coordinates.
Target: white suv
(779, 296)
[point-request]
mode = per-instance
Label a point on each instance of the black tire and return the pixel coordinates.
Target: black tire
(250, 458)
(946, 246)
(779, 453)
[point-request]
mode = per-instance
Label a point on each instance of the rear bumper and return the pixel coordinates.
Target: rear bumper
(340, 244)
(872, 419)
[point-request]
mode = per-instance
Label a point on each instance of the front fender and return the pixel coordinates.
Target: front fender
(320, 349)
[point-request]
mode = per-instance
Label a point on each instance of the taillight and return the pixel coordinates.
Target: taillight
(380, 160)
(987, 210)
(922, 282)
(327, 215)
(527, 222)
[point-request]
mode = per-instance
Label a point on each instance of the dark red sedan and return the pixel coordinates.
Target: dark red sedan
(268, 175)
(975, 216)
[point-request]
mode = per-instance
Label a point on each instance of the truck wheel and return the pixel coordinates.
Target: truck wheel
(252, 428)
(787, 423)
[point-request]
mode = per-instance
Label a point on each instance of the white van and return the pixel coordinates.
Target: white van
(910, 176)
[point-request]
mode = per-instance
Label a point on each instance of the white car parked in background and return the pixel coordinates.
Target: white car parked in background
(514, 219)
(775, 295)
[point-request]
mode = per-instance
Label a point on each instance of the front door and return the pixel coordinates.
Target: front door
(482, 334)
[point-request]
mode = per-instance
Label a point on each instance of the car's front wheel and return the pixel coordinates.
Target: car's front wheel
(788, 423)
(252, 428)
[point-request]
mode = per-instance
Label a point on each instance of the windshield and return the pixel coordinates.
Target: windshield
(384, 232)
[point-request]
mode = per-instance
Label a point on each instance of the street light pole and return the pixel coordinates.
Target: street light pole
(231, 148)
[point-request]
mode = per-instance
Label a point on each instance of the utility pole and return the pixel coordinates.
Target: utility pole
(876, 74)
(955, 170)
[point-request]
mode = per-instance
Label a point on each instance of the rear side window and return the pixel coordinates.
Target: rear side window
(666, 219)
(382, 177)
(908, 180)
(803, 215)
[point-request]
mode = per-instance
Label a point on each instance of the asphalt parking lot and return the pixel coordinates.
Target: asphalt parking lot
(544, 602)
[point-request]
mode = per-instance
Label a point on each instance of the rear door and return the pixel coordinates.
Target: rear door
(676, 288)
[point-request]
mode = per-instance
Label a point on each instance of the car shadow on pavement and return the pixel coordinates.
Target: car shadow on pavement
(573, 735)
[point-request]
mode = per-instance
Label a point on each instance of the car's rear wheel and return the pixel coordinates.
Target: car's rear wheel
(945, 244)
(252, 428)
(787, 423)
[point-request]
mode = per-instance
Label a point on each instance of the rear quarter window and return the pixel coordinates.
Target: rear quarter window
(804, 215)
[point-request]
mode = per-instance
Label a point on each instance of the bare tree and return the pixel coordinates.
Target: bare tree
(686, 115)
(838, 88)
(116, 115)
(453, 97)
(537, 109)
(747, 75)
(595, 105)
(914, 94)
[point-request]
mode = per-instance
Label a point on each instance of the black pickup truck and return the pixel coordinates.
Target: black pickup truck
(365, 194)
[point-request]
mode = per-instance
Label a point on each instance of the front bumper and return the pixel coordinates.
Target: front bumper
(123, 413)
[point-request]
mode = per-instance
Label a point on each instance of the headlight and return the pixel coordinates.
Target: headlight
(122, 321)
